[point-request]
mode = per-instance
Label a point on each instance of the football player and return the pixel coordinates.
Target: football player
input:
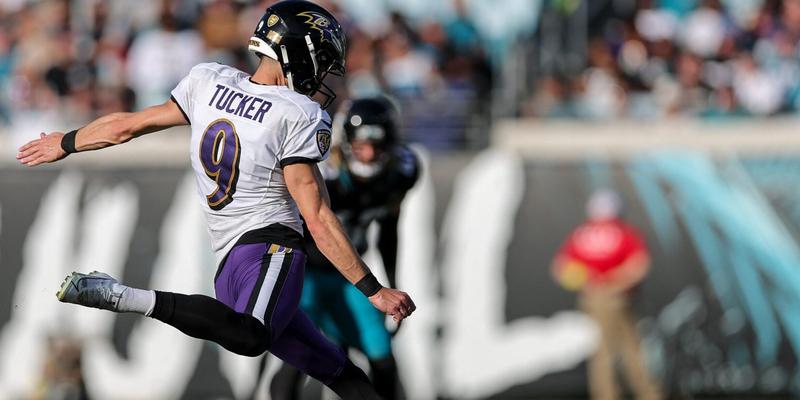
(255, 142)
(367, 178)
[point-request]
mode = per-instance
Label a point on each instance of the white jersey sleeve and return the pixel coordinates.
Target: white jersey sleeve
(308, 140)
(183, 92)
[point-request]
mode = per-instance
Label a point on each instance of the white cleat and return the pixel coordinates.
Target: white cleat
(95, 289)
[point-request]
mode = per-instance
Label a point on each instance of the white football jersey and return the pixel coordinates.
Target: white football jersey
(243, 134)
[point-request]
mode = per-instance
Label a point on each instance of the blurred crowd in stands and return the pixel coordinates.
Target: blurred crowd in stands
(649, 59)
(65, 62)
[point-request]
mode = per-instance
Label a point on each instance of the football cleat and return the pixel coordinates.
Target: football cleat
(95, 289)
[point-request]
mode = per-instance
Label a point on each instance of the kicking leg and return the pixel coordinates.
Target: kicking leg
(207, 318)
(249, 285)
(250, 281)
(195, 315)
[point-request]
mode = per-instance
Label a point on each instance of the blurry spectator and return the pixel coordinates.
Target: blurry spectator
(361, 78)
(159, 58)
(693, 89)
(757, 91)
(549, 99)
(704, 30)
(656, 24)
(217, 22)
(406, 71)
(722, 103)
(790, 19)
(600, 95)
(606, 259)
(462, 31)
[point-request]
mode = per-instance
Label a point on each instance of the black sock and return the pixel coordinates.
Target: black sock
(384, 377)
(207, 318)
(353, 383)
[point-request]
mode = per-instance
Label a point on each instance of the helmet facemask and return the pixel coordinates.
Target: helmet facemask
(321, 64)
(308, 43)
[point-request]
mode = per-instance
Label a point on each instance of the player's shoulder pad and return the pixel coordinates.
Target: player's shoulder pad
(301, 108)
(407, 162)
(210, 69)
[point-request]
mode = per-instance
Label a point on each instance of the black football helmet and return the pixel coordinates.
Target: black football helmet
(308, 42)
(373, 119)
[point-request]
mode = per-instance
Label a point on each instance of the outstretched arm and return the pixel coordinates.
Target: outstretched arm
(308, 190)
(105, 131)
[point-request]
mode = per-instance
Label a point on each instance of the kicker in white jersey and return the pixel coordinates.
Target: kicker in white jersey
(243, 134)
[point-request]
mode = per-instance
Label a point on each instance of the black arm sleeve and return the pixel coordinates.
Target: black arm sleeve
(408, 172)
(387, 245)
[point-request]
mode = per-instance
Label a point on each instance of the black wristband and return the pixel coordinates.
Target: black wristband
(369, 285)
(68, 142)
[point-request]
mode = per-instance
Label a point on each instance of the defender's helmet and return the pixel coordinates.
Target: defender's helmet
(308, 42)
(373, 119)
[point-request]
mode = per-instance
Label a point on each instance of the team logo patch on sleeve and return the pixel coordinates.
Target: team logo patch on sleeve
(323, 140)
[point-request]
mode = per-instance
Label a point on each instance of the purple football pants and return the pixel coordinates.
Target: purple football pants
(266, 281)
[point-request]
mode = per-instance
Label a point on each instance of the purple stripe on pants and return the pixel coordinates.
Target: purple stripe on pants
(269, 286)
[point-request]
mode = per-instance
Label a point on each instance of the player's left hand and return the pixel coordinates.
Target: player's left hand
(45, 149)
(393, 302)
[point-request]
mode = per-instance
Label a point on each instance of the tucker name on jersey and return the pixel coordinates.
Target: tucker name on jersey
(243, 134)
(240, 104)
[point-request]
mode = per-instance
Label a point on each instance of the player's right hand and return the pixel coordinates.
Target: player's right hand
(43, 150)
(393, 302)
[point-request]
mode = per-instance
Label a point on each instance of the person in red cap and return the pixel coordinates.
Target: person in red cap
(605, 259)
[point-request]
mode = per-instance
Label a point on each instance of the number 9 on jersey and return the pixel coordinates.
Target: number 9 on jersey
(219, 153)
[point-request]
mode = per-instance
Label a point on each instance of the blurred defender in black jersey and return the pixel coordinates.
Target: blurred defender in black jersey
(367, 177)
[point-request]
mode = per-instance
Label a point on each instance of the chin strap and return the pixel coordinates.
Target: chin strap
(286, 68)
(313, 54)
(320, 85)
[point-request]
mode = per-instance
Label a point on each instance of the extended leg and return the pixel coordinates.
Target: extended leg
(206, 318)
(252, 279)
(196, 315)
(259, 288)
